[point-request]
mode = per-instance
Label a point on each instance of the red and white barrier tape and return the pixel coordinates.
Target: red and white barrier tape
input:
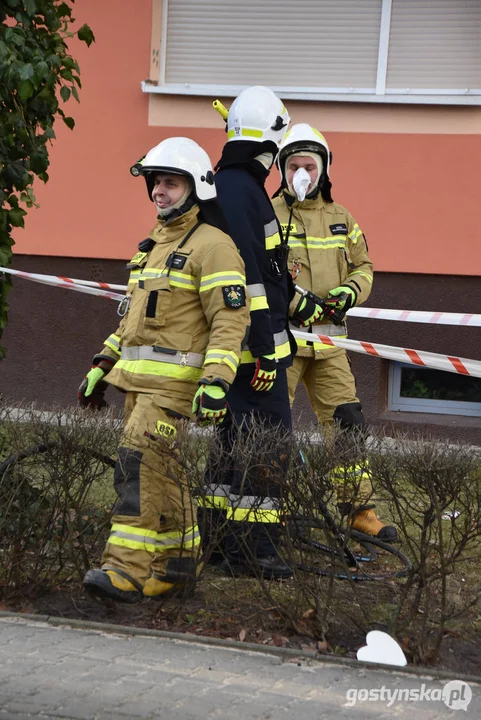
(418, 316)
(85, 286)
(462, 366)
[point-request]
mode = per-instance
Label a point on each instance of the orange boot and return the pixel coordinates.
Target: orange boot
(365, 520)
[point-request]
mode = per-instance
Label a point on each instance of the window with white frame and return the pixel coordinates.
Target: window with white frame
(354, 50)
(417, 389)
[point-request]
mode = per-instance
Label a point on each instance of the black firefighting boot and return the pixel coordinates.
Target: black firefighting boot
(271, 567)
(365, 520)
(112, 585)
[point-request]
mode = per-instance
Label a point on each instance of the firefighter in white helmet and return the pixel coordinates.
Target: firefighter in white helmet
(256, 123)
(329, 257)
(175, 354)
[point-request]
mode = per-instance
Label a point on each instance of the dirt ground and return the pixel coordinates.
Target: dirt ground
(222, 607)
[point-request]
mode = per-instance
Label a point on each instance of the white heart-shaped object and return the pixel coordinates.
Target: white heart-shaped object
(381, 648)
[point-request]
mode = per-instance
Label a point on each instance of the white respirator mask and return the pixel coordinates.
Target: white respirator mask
(300, 183)
(299, 187)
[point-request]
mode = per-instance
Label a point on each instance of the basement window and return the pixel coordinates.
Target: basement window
(422, 390)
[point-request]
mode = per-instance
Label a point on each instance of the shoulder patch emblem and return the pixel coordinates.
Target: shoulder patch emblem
(234, 296)
(338, 229)
(137, 259)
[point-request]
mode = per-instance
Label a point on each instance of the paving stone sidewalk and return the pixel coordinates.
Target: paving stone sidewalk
(50, 672)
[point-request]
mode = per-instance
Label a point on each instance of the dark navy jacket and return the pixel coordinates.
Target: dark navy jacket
(255, 230)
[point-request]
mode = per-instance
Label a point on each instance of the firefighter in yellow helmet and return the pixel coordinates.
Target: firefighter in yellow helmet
(328, 256)
(175, 353)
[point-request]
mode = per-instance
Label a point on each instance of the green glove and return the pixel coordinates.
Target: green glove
(346, 297)
(209, 403)
(93, 377)
(307, 312)
(92, 388)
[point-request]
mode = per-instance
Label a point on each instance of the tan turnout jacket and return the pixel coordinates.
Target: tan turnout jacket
(326, 249)
(185, 322)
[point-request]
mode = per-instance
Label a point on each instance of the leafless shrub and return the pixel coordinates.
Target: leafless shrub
(434, 496)
(55, 495)
(55, 505)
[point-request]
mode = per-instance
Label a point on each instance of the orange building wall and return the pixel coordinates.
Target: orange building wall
(415, 192)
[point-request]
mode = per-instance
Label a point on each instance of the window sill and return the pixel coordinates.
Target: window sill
(365, 95)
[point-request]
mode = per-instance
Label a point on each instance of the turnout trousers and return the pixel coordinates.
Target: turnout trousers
(328, 380)
(240, 513)
(154, 531)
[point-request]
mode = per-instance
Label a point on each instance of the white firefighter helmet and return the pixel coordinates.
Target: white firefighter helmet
(257, 114)
(303, 138)
(181, 156)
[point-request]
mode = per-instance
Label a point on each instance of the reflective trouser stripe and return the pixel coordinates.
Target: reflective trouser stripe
(147, 352)
(152, 541)
(341, 474)
(214, 496)
(250, 508)
(254, 515)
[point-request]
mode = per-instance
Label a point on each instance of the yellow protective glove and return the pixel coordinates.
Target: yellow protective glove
(92, 388)
(210, 403)
(265, 373)
(346, 297)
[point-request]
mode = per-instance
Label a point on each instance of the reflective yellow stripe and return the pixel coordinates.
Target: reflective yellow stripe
(317, 345)
(159, 369)
(318, 243)
(368, 277)
(334, 241)
(247, 357)
(246, 132)
(283, 350)
(132, 544)
(254, 515)
(176, 278)
(351, 473)
(355, 233)
(118, 527)
(113, 342)
(152, 541)
(259, 303)
(221, 278)
(227, 357)
(213, 501)
(272, 241)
